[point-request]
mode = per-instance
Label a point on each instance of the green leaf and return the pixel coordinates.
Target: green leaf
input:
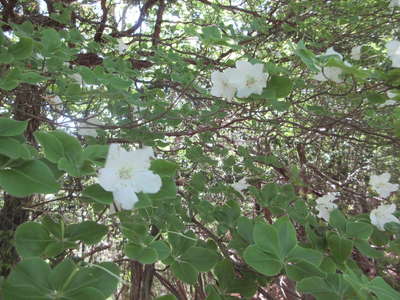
(212, 293)
(286, 234)
(310, 255)
(376, 98)
(245, 228)
(32, 77)
(383, 290)
(340, 247)
(69, 166)
(300, 269)
(88, 75)
(143, 254)
(181, 242)
(143, 201)
(72, 147)
(328, 265)
(98, 194)
(359, 230)
(332, 289)
(9, 127)
(29, 277)
(53, 148)
(266, 238)
(55, 248)
(88, 232)
(306, 56)
(201, 258)
(103, 277)
(262, 262)
(211, 33)
(23, 49)
(87, 293)
(95, 153)
(13, 149)
(185, 272)
(167, 191)
(61, 273)
(5, 57)
(162, 248)
(55, 228)
(29, 178)
(230, 283)
(280, 86)
(8, 84)
(338, 220)
(118, 83)
(164, 167)
(31, 239)
(367, 250)
(379, 238)
(50, 39)
(198, 181)
(33, 279)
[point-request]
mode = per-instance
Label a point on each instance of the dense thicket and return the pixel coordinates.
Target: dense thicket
(238, 214)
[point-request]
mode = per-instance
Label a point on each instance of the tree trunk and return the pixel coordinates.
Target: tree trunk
(25, 107)
(141, 281)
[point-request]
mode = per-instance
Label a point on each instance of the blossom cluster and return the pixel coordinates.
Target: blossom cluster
(331, 73)
(243, 80)
(240, 185)
(379, 216)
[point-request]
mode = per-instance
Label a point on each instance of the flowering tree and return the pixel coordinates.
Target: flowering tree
(199, 149)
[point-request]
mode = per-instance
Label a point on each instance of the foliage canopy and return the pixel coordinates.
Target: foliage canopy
(245, 208)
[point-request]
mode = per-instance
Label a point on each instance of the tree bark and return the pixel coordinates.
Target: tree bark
(25, 107)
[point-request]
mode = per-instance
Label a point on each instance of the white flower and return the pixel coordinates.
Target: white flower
(89, 127)
(393, 49)
(54, 100)
(325, 205)
(39, 56)
(331, 51)
(381, 184)
(240, 185)
(391, 94)
(356, 52)
(394, 3)
(248, 78)
(127, 173)
(390, 101)
(77, 78)
(221, 85)
(329, 73)
(121, 46)
(382, 215)
(387, 102)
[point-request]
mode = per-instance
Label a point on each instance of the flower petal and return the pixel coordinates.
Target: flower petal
(108, 179)
(126, 197)
(147, 182)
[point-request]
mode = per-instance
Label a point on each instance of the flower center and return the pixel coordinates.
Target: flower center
(125, 173)
(250, 81)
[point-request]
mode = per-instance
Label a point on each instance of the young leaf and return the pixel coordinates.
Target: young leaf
(9, 127)
(28, 178)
